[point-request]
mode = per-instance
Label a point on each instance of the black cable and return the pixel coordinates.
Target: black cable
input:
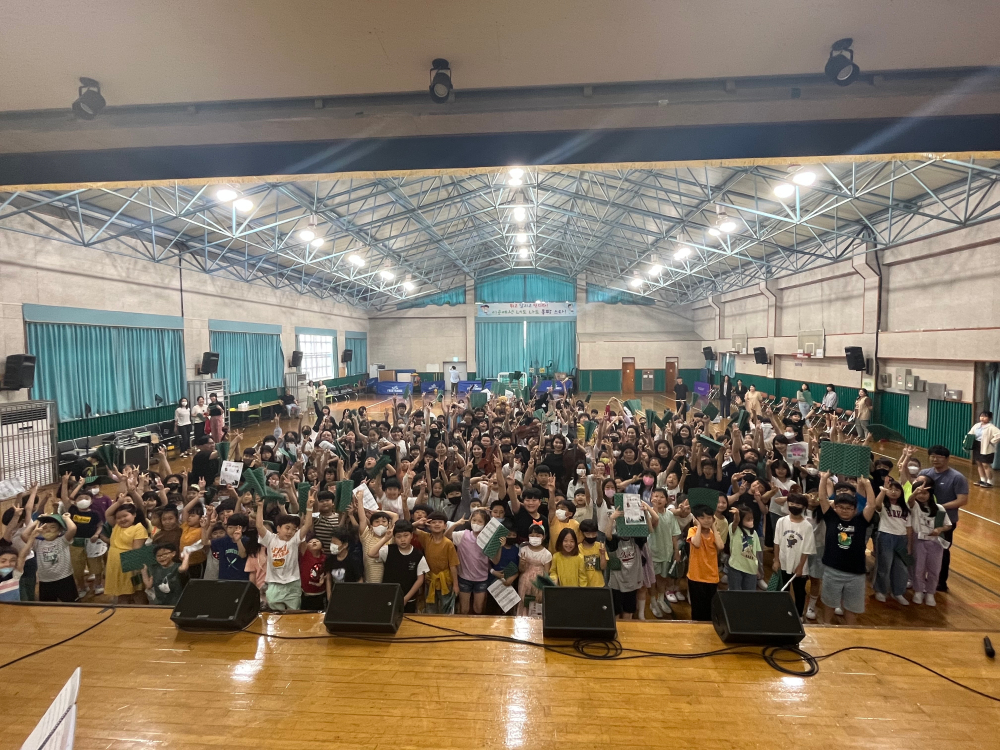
(64, 640)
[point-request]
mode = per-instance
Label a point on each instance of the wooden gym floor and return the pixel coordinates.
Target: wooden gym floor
(146, 685)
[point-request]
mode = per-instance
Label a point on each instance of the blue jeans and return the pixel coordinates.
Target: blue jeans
(740, 581)
(891, 572)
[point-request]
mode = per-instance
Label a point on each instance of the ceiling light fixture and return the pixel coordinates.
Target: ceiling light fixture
(440, 87)
(408, 284)
(723, 222)
(356, 260)
(387, 275)
(804, 178)
(636, 282)
(309, 234)
(682, 252)
(243, 205)
(784, 190)
(89, 102)
(318, 242)
(840, 67)
(521, 238)
(655, 270)
(225, 195)
(519, 213)
(515, 181)
(516, 173)
(522, 252)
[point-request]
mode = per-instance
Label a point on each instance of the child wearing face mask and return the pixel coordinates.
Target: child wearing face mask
(88, 528)
(340, 566)
(508, 554)
(370, 532)
(703, 568)
(814, 568)
(52, 550)
(473, 565)
(745, 566)
(535, 561)
(562, 518)
(895, 529)
(595, 556)
(793, 544)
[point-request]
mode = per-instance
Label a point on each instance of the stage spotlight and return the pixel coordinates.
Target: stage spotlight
(225, 195)
(840, 68)
(356, 260)
(440, 80)
(805, 178)
(243, 205)
(784, 190)
(89, 102)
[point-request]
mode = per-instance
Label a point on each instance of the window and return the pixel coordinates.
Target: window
(318, 356)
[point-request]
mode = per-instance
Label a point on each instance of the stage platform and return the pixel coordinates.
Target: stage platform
(146, 685)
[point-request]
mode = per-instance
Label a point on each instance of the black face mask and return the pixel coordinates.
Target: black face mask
(590, 539)
(796, 510)
(455, 500)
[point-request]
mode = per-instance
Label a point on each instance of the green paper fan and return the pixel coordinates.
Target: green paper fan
(711, 411)
(107, 454)
(493, 545)
(543, 581)
(614, 563)
(775, 583)
(271, 466)
(703, 497)
(345, 495)
(623, 529)
(379, 466)
(133, 559)
(634, 405)
(223, 449)
(845, 459)
(477, 400)
(100, 479)
(540, 415)
(712, 447)
(303, 490)
(589, 428)
(510, 570)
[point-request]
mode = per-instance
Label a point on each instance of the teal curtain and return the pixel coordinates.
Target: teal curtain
(552, 342)
(993, 400)
(114, 369)
(249, 361)
(454, 296)
(499, 348)
(359, 361)
(548, 289)
(526, 288)
(596, 293)
(727, 364)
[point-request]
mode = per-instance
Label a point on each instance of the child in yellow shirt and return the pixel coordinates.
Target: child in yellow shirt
(568, 568)
(595, 558)
(562, 518)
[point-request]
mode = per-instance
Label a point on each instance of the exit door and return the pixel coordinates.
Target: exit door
(628, 376)
(671, 376)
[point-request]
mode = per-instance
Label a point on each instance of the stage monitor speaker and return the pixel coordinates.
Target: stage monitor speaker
(572, 612)
(765, 618)
(709, 354)
(855, 358)
(760, 355)
(216, 605)
(19, 372)
(296, 359)
(364, 608)
(209, 363)
(347, 356)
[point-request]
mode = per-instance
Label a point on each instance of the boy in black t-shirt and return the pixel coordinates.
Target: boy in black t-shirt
(404, 563)
(844, 555)
(340, 566)
(88, 524)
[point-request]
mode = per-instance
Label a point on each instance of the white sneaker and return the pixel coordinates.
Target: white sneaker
(930, 602)
(99, 590)
(641, 612)
(838, 611)
(918, 598)
(762, 584)
(672, 597)
(80, 593)
(655, 608)
(879, 597)
(664, 607)
(902, 600)
(680, 596)
(811, 613)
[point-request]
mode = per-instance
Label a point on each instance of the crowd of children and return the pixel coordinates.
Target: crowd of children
(426, 479)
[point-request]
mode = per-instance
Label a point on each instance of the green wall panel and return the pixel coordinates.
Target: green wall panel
(601, 380)
(107, 423)
(948, 421)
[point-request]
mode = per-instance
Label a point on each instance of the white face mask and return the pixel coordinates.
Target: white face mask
(789, 434)
(94, 491)
(379, 530)
(477, 527)
(334, 549)
(561, 514)
(913, 469)
(616, 454)
(83, 504)
(581, 472)
(534, 541)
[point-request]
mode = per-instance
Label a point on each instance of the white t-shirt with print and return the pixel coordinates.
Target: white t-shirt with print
(891, 520)
(794, 539)
(282, 558)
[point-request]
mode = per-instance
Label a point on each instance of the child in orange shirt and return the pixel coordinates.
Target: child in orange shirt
(703, 565)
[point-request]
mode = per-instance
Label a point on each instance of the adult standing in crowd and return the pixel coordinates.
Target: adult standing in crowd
(199, 417)
(680, 397)
(216, 418)
(804, 399)
(987, 436)
(862, 413)
(830, 398)
(182, 424)
(725, 396)
(951, 490)
(454, 377)
(740, 391)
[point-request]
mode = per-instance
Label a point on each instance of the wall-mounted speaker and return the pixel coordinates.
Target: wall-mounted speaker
(855, 359)
(296, 359)
(209, 363)
(709, 353)
(19, 372)
(347, 356)
(760, 355)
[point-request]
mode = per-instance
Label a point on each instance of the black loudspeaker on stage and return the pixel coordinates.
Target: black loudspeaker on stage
(216, 605)
(209, 363)
(364, 608)
(763, 618)
(571, 612)
(19, 372)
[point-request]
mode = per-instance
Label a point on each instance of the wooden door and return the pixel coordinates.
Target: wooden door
(671, 375)
(628, 376)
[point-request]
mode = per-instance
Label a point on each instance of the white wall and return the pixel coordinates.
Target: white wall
(40, 271)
